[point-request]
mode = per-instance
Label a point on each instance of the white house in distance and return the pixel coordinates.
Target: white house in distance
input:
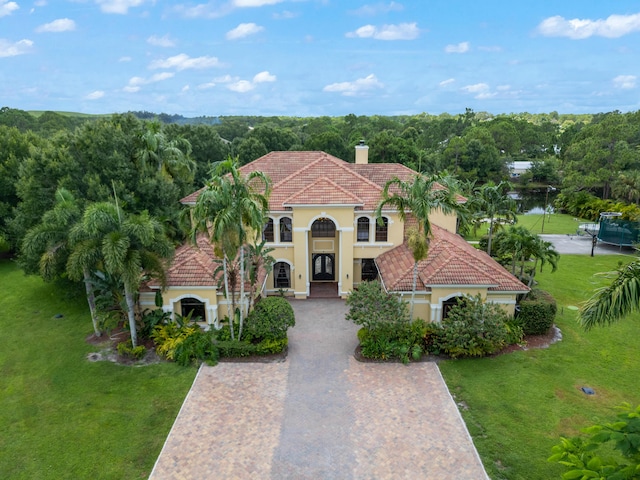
(325, 238)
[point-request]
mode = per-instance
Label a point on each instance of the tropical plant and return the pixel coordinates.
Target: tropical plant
(612, 303)
(492, 202)
(608, 451)
(258, 258)
(228, 208)
(270, 319)
(50, 244)
(473, 327)
(419, 198)
(126, 246)
(168, 157)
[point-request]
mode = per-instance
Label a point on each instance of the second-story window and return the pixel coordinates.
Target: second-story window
(382, 230)
(267, 232)
(363, 229)
(286, 230)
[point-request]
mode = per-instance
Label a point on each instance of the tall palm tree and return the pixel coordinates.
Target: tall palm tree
(614, 302)
(51, 243)
(127, 246)
(418, 197)
(168, 157)
(231, 206)
(543, 252)
(492, 202)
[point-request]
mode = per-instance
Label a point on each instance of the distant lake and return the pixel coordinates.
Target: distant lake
(531, 202)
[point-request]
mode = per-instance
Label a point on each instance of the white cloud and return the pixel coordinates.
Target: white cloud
(136, 82)
(118, 6)
(254, 3)
(57, 26)
(503, 88)
(378, 8)
(186, 88)
(94, 95)
(355, 88)
(446, 82)
(9, 49)
(490, 48)
(243, 30)
(163, 41)
(264, 77)
(285, 15)
(6, 8)
(613, 26)
(402, 31)
(184, 62)
(625, 82)
(461, 47)
(125, 59)
(236, 84)
(241, 86)
(476, 88)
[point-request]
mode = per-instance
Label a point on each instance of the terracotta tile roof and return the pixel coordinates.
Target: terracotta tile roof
(451, 261)
(293, 173)
(194, 266)
(323, 192)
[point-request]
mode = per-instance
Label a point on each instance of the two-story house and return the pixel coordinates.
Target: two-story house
(323, 231)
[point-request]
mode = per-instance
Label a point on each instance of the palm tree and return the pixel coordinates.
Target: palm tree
(614, 302)
(168, 157)
(229, 207)
(419, 198)
(543, 252)
(493, 202)
(50, 242)
(258, 258)
(127, 247)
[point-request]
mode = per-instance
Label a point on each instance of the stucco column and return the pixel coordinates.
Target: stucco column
(300, 280)
(346, 261)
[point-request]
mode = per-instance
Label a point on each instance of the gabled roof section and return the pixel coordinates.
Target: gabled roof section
(323, 192)
(192, 265)
(451, 261)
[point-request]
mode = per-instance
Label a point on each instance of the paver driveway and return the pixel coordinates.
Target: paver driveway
(319, 415)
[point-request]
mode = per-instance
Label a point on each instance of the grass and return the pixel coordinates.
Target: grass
(63, 416)
(520, 404)
(555, 223)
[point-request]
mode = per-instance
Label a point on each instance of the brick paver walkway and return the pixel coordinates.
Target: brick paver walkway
(319, 415)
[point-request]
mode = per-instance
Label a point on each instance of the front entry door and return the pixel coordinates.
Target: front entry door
(323, 267)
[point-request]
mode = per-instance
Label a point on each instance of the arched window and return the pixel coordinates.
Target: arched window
(281, 275)
(363, 229)
(267, 232)
(286, 230)
(382, 230)
(194, 307)
(448, 304)
(323, 227)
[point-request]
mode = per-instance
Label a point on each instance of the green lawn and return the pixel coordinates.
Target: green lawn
(556, 223)
(519, 404)
(63, 416)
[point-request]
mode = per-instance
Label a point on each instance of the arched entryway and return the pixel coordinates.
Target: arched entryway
(324, 262)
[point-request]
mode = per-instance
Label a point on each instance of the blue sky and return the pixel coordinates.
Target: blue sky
(320, 57)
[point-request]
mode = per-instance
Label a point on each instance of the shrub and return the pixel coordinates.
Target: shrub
(473, 328)
(167, 337)
(235, 348)
(125, 349)
(196, 348)
(537, 312)
(399, 340)
(270, 319)
(270, 346)
(149, 319)
(370, 306)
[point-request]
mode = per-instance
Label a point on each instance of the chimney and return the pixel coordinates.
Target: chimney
(362, 153)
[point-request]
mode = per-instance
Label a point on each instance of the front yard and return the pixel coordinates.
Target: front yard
(517, 406)
(63, 416)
